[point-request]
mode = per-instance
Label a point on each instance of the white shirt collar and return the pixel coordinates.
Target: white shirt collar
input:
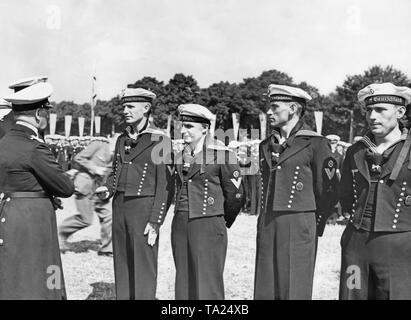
(28, 125)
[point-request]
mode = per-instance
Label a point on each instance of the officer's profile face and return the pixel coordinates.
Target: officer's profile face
(278, 113)
(382, 118)
(135, 111)
(192, 132)
(407, 117)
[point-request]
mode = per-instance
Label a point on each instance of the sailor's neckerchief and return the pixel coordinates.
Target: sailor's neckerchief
(131, 141)
(277, 148)
(374, 158)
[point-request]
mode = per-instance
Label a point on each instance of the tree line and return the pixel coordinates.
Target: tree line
(246, 98)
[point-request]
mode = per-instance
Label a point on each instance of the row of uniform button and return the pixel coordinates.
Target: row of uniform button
(160, 216)
(205, 196)
(397, 210)
(400, 200)
(142, 178)
(354, 188)
(115, 171)
(293, 188)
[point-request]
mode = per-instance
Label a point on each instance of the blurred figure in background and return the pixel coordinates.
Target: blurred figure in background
(94, 164)
(334, 141)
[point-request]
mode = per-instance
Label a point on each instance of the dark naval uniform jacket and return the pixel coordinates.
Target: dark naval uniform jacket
(214, 184)
(149, 171)
(29, 248)
(6, 124)
(393, 200)
(303, 179)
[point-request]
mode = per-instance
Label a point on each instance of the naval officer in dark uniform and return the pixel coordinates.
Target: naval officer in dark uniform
(209, 196)
(30, 178)
(375, 191)
(6, 117)
(142, 183)
(299, 183)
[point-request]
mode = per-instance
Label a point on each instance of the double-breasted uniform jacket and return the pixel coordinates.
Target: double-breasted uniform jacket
(303, 179)
(393, 200)
(214, 184)
(150, 168)
(29, 248)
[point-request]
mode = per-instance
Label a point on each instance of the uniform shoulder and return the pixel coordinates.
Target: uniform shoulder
(39, 147)
(309, 133)
(37, 142)
(355, 147)
(264, 142)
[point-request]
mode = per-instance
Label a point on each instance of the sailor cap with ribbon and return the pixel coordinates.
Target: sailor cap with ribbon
(130, 95)
(385, 93)
(333, 138)
(195, 113)
(277, 92)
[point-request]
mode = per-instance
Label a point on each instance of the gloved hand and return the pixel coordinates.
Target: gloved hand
(102, 193)
(57, 203)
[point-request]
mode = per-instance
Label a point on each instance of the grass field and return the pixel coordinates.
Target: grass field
(89, 276)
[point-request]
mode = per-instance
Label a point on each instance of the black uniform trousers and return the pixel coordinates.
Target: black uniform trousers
(199, 250)
(375, 265)
(135, 262)
(285, 259)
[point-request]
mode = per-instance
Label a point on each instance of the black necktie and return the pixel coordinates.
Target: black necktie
(376, 161)
(129, 143)
(276, 150)
(188, 159)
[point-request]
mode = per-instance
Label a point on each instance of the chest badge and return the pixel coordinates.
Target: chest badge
(210, 201)
(407, 201)
(299, 186)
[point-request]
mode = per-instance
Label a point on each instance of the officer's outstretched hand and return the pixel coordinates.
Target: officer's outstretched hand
(152, 232)
(100, 171)
(102, 193)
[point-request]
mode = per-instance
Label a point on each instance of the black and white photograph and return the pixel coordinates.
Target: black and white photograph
(219, 151)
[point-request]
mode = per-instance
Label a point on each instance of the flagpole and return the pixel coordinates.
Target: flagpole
(93, 100)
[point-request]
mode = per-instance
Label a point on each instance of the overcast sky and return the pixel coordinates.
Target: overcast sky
(317, 41)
